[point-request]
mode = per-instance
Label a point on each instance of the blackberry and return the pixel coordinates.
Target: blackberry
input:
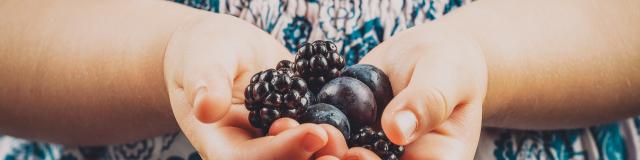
(274, 94)
(377, 142)
(318, 63)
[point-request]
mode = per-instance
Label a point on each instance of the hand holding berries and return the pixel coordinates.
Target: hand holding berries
(439, 91)
(208, 64)
(346, 103)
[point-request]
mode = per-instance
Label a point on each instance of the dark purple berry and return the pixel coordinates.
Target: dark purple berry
(336, 59)
(269, 115)
(260, 90)
(292, 99)
(332, 47)
(281, 82)
(255, 120)
(322, 113)
(298, 83)
(284, 64)
(255, 78)
(375, 79)
(305, 50)
(322, 47)
(302, 67)
(287, 71)
(267, 75)
(273, 99)
(319, 63)
(352, 97)
(248, 94)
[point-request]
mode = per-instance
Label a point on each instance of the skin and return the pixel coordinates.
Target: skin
(67, 74)
(80, 79)
(553, 67)
(77, 70)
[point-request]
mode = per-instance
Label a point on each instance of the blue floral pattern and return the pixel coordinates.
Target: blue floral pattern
(637, 123)
(21, 149)
(357, 26)
(516, 144)
(599, 142)
(610, 141)
(169, 146)
(296, 33)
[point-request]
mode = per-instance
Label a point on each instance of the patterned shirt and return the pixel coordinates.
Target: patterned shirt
(356, 26)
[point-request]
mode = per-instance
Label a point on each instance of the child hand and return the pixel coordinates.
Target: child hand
(207, 65)
(439, 79)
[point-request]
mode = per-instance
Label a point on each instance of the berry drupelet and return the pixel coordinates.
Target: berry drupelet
(318, 63)
(377, 142)
(274, 94)
(284, 64)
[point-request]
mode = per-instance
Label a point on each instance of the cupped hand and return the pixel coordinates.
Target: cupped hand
(208, 62)
(439, 80)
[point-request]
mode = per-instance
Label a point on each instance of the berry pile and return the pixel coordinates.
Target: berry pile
(351, 97)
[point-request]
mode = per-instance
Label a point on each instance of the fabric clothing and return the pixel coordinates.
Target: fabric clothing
(356, 26)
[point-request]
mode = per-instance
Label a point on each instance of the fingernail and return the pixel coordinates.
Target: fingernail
(406, 122)
(311, 142)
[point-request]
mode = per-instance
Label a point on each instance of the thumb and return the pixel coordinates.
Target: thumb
(211, 96)
(415, 111)
(438, 84)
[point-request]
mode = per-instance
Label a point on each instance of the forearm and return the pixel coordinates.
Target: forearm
(556, 64)
(86, 72)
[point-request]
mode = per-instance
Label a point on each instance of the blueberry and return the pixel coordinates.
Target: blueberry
(323, 113)
(352, 97)
(375, 79)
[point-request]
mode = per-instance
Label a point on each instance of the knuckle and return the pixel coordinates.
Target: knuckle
(435, 104)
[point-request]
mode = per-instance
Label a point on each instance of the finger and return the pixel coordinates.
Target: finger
(296, 143)
(456, 138)
(414, 111)
(328, 158)
(336, 146)
(210, 94)
(359, 153)
(221, 139)
(205, 76)
(281, 125)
